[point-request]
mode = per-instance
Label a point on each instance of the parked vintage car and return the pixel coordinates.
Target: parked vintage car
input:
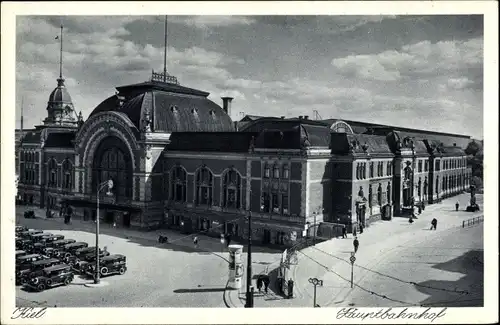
(20, 253)
(23, 243)
(112, 264)
(21, 229)
(84, 255)
(49, 252)
(45, 242)
(25, 260)
(70, 249)
(22, 276)
(30, 232)
(51, 277)
(59, 245)
(30, 214)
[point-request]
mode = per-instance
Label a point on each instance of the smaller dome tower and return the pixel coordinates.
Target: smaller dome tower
(60, 109)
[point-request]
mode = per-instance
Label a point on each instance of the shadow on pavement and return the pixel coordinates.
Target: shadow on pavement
(470, 287)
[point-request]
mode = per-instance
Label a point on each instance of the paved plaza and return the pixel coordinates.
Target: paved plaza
(415, 265)
(397, 264)
(158, 275)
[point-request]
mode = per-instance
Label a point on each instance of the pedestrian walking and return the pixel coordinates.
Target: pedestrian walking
(266, 283)
(259, 284)
(354, 231)
(410, 220)
(361, 228)
(195, 241)
(434, 224)
(344, 232)
(356, 244)
(228, 239)
(420, 208)
(457, 205)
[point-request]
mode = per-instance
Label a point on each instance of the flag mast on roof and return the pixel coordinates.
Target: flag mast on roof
(60, 53)
(164, 77)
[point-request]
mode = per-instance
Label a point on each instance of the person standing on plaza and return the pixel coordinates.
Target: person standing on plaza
(457, 205)
(434, 224)
(195, 241)
(356, 244)
(344, 232)
(361, 228)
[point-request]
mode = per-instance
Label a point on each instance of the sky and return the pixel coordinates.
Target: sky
(413, 71)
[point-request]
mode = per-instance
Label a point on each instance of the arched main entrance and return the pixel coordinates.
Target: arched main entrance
(112, 160)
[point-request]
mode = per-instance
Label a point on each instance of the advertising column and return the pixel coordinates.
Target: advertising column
(235, 266)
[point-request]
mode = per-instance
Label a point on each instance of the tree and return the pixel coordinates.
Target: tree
(475, 157)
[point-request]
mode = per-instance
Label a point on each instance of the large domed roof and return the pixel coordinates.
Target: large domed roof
(60, 109)
(170, 108)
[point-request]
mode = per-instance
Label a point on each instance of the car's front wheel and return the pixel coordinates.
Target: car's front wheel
(104, 271)
(122, 270)
(41, 287)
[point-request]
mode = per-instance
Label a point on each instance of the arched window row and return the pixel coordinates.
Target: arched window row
(360, 170)
(279, 171)
(29, 156)
(231, 190)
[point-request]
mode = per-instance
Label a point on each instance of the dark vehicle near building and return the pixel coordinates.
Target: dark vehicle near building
(40, 237)
(20, 253)
(49, 252)
(70, 249)
(84, 256)
(60, 274)
(112, 264)
(22, 276)
(30, 214)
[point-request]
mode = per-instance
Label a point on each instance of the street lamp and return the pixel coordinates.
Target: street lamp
(249, 293)
(100, 187)
(314, 229)
(315, 282)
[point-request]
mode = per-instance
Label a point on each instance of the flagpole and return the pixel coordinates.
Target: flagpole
(165, 54)
(60, 54)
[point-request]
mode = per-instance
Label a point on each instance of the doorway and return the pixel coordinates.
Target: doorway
(266, 239)
(126, 219)
(109, 217)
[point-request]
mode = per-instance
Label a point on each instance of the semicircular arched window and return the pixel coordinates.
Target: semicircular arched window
(231, 197)
(178, 179)
(52, 173)
(67, 169)
(341, 127)
(204, 186)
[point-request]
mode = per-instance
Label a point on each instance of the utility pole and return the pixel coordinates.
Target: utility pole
(315, 282)
(249, 294)
(314, 229)
(165, 54)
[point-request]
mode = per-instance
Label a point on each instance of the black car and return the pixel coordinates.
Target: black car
(83, 256)
(28, 233)
(22, 261)
(35, 238)
(45, 241)
(21, 229)
(49, 252)
(51, 277)
(23, 243)
(112, 264)
(30, 214)
(59, 245)
(70, 249)
(22, 276)
(54, 238)
(20, 253)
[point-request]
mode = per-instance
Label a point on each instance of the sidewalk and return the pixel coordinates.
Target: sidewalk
(377, 241)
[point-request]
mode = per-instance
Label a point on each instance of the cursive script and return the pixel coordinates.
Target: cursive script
(389, 313)
(28, 312)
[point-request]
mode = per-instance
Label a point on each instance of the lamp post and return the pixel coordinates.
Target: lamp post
(315, 282)
(100, 187)
(249, 293)
(314, 229)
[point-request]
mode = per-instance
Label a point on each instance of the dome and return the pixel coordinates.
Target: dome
(60, 93)
(60, 108)
(168, 108)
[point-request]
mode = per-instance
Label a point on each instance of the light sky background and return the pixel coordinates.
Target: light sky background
(413, 71)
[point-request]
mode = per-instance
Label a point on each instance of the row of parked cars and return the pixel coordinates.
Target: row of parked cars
(45, 260)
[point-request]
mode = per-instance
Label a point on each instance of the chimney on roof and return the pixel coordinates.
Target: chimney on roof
(306, 117)
(301, 117)
(282, 117)
(226, 104)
